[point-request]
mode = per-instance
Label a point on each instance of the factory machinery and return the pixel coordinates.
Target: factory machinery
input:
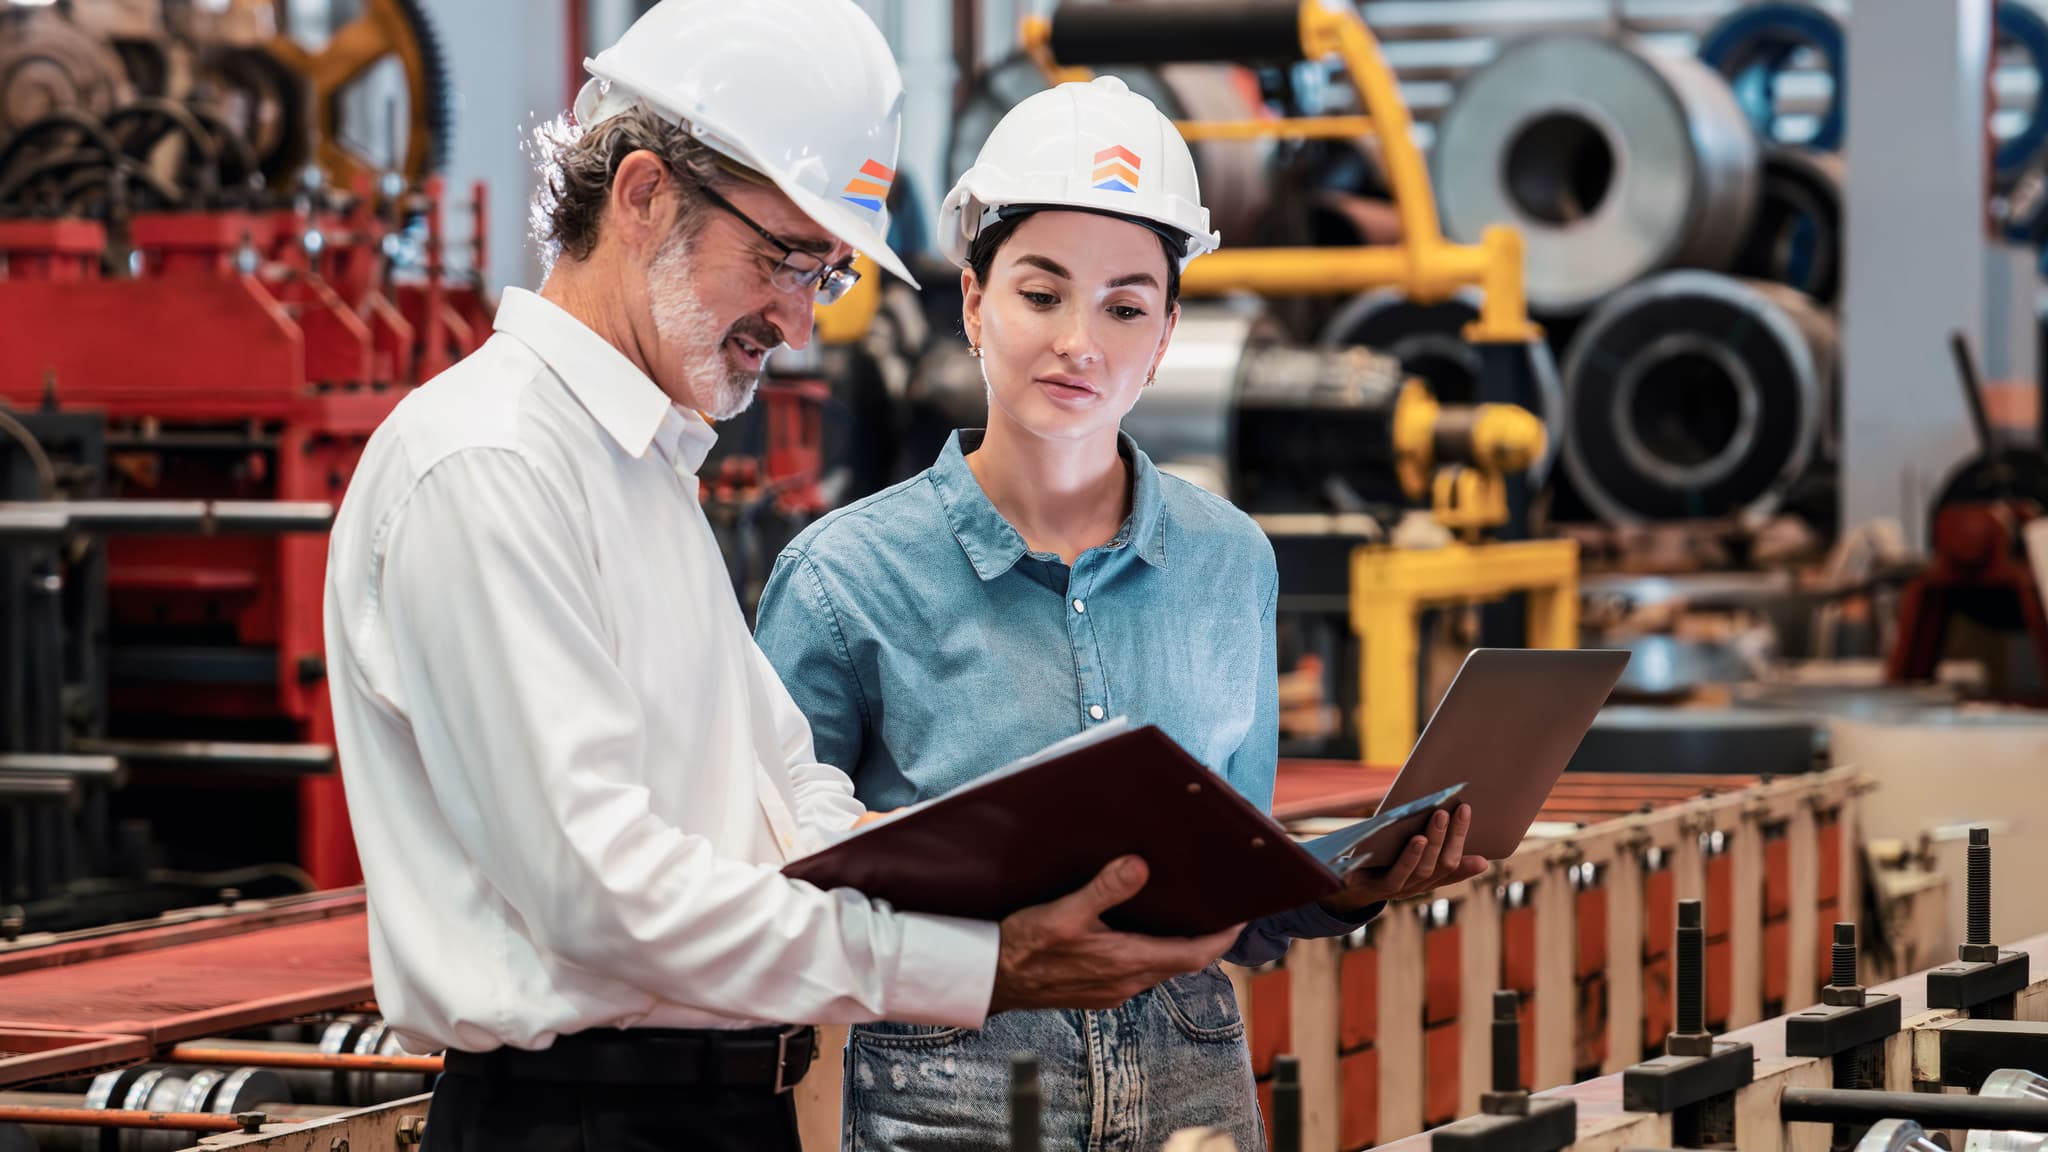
(211, 303)
(212, 298)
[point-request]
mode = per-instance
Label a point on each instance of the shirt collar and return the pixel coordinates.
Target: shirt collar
(616, 393)
(993, 547)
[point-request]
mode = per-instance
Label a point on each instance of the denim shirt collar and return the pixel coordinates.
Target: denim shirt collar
(993, 547)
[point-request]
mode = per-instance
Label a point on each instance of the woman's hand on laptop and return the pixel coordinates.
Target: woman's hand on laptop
(1430, 861)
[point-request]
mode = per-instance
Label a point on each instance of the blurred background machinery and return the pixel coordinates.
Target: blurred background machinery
(1537, 322)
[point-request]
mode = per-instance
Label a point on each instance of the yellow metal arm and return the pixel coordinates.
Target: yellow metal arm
(1424, 265)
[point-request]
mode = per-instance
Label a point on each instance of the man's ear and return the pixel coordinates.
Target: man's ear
(640, 205)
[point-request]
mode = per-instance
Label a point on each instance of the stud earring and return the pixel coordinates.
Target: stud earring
(974, 350)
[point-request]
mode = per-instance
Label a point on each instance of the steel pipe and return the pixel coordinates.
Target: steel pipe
(321, 1061)
(32, 519)
(1847, 1106)
(127, 1118)
(217, 755)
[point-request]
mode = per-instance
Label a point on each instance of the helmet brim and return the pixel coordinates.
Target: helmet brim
(856, 226)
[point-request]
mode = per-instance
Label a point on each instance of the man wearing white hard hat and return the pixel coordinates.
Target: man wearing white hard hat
(572, 775)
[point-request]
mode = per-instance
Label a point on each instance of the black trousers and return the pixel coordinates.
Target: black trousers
(481, 1113)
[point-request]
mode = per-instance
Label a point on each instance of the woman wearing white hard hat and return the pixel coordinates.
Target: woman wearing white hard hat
(572, 776)
(1040, 579)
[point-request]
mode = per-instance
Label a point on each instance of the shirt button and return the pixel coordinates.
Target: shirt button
(1095, 711)
(1080, 607)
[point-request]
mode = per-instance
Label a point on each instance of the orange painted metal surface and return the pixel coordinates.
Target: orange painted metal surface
(1272, 1029)
(1440, 951)
(123, 994)
(1777, 876)
(1358, 1125)
(1440, 1073)
(1358, 979)
(1777, 965)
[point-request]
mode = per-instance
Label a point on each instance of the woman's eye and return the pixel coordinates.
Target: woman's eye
(1126, 311)
(1039, 299)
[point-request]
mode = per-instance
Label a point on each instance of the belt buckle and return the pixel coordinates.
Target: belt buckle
(782, 1052)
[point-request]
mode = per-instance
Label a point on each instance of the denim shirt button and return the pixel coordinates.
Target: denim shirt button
(1080, 606)
(1095, 711)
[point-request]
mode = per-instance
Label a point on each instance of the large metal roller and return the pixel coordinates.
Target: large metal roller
(1429, 342)
(1614, 161)
(1693, 395)
(1755, 45)
(1796, 238)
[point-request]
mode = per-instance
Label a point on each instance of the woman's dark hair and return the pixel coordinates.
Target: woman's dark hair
(981, 255)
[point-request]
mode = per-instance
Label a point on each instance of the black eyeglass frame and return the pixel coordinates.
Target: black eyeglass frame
(797, 269)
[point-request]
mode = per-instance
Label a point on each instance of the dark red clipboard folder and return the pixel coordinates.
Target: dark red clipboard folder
(1005, 844)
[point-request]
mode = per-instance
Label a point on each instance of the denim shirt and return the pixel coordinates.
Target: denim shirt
(927, 645)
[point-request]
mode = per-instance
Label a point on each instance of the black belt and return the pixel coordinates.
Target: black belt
(768, 1059)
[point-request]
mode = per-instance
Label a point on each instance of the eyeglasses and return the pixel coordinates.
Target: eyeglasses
(797, 269)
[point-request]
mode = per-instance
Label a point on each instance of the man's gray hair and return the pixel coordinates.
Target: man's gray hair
(577, 166)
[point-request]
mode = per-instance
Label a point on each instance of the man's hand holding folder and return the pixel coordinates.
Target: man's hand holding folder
(1061, 955)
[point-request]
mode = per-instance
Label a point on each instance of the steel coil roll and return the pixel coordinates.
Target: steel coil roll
(1753, 45)
(1693, 395)
(2021, 28)
(1429, 341)
(1796, 238)
(1614, 162)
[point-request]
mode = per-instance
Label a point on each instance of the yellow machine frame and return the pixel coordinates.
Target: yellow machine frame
(1425, 265)
(1391, 586)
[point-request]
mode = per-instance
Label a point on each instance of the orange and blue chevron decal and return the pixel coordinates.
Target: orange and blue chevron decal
(1116, 169)
(870, 188)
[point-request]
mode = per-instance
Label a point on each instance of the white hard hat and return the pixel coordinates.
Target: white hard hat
(804, 92)
(1094, 145)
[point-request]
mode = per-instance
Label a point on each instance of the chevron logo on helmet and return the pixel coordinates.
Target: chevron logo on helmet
(869, 189)
(1116, 169)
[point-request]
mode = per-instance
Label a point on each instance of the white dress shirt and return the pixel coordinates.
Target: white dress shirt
(572, 775)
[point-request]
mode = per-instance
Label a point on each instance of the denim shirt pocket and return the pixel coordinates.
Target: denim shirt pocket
(1203, 1006)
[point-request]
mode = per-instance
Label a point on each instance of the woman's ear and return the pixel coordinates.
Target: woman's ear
(1165, 340)
(970, 306)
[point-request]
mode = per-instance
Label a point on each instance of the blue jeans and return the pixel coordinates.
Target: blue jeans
(1123, 1080)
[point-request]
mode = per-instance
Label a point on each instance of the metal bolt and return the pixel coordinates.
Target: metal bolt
(1026, 1103)
(251, 1122)
(1507, 1043)
(1286, 1122)
(1843, 991)
(338, 1144)
(1980, 886)
(229, 897)
(411, 1129)
(1692, 940)
(1690, 1037)
(12, 920)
